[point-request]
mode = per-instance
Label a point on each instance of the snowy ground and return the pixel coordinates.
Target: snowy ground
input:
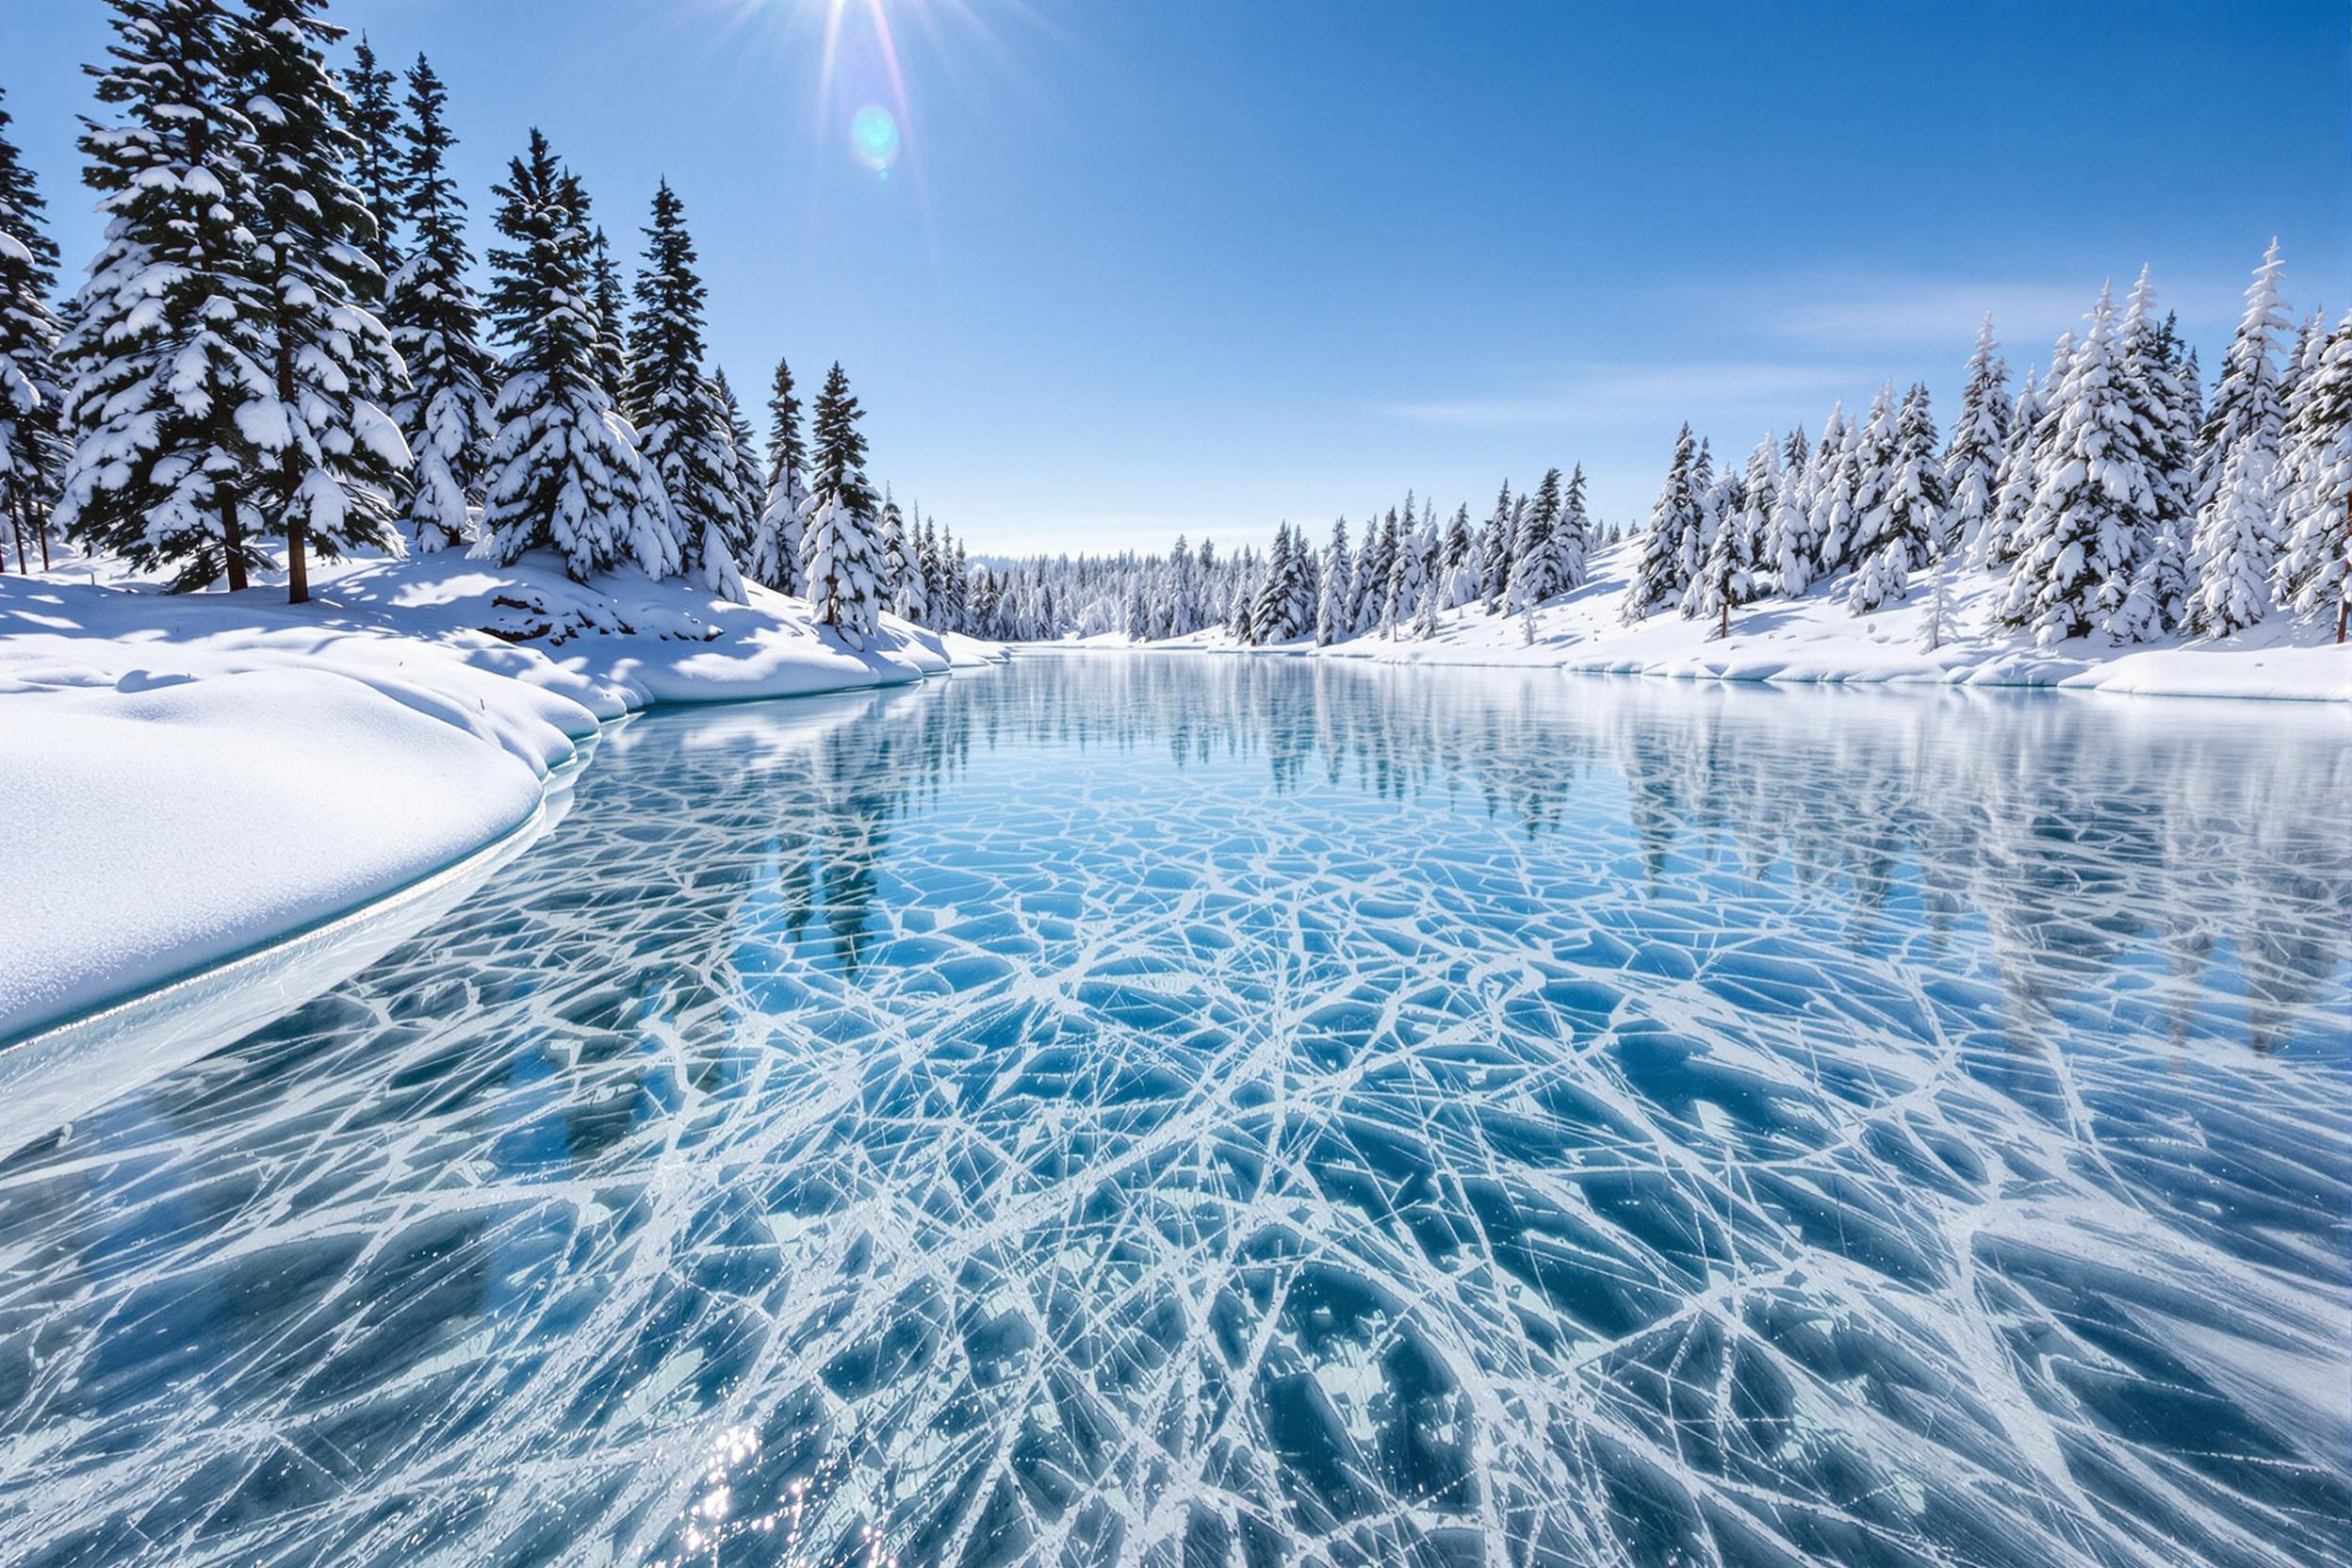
(1816, 637)
(195, 774)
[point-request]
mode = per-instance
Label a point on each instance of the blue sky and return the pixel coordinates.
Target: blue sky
(1198, 267)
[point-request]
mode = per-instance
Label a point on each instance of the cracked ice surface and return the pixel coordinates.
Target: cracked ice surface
(1181, 1110)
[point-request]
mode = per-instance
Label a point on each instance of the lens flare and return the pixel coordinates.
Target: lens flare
(874, 137)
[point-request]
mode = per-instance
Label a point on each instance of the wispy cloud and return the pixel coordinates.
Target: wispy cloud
(1604, 395)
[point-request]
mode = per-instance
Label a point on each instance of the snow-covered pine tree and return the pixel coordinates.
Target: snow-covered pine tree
(682, 432)
(1698, 533)
(2234, 545)
(1531, 546)
(1425, 620)
(1407, 572)
(1830, 486)
(1337, 598)
(370, 116)
(169, 354)
(436, 325)
(840, 558)
(609, 303)
(2153, 593)
(934, 570)
(2091, 493)
(1456, 558)
(774, 556)
(1897, 536)
(1786, 528)
(1375, 560)
(1727, 578)
(914, 583)
(332, 453)
(1240, 619)
(1269, 620)
(2013, 485)
(562, 473)
(1980, 438)
(2314, 487)
(1872, 469)
(1656, 579)
(33, 447)
(897, 558)
(1572, 537)
(954, 597)
(1494, 552)
(749, 485)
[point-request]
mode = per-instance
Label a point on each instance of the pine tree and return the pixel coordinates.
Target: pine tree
(1426, 618)
(775, 541)
(914, 583)
(1791, 549)
(1572, 537)
(1727, 578)
(896, 557)
(2089, 494)
(370, 118)
(1493, 561)
(1457, 558)
(840, 557)
(1373, 561)
(748, 487)
(1980, 440)
(1269, 620)
(2234, 545)
(1872, 471)
(1658, 579)
(2314, 487)
(1336, 602)
(611, 323)
(563, 471)
(1531, 548)
(33, 449)
(2152, 593)
(682, 432)
(1406, 567)
(436, 325)
(334, 454)
(1897, 536)
(2030, 428)
(168, 353)
(1835, 464)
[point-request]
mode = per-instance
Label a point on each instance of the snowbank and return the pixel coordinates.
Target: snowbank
(203, 773)
(1816, 637)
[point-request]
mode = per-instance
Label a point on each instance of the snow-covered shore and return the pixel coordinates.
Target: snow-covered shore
(195, 776)
(1815, 638)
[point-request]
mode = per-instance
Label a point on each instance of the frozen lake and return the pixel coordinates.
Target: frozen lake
(1190, 1110)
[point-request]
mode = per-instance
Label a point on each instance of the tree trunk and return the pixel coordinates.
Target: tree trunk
(297, 563)
(2344, 611)
(1723, 633)
(42, 533)
(233, 538)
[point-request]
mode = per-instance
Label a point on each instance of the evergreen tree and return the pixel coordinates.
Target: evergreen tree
(2030, 428)
(1425, 619)
(2152, 593)
(1785, 526)
(2234, 545)
(1897, 536)
(606, 299)
(1791, 550)
(1980, 438)
(840, 556)
(1727, 578)
(682, 431)
(1531, 548)
(2089, 494)
(33, 447)
(1269, 619)
(168, 353)
(2314, 487)
(1835, 460)
(1406, 569)
(914, 582)
(897, 559)
(370, 118)
(747, 489)
(775, 541)
(436, 325)
(334, 454)
(1872, 472)
(1493, 559)
(1374, 562)
(562, 473)
(1658, 579)
(1572, 537)
(1698, 531)
(1457, 559)
(1332, 623)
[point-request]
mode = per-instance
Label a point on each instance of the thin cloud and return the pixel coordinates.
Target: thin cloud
(1609, 395)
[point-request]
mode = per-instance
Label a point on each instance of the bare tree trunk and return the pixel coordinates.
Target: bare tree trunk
(2344, 611)
(42, 534)
(1723, 634)
(233, 538)
(297, 563)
